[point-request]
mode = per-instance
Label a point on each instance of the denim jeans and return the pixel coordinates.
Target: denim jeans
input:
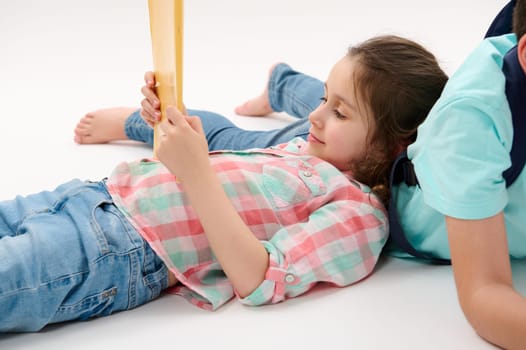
(70, 254)
(289, 91)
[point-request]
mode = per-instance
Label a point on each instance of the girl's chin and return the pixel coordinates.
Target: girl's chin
(312, 150)
(308, 148)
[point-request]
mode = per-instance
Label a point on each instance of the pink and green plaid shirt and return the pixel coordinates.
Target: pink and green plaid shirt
(317, 224)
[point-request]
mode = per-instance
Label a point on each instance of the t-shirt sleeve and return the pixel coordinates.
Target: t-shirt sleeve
(460, 156)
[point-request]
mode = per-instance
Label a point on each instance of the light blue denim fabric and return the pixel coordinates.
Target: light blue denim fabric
(69, 254)
(289, 91)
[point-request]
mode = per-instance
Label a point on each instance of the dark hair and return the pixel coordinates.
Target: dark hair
(400, 81)
(519, 18)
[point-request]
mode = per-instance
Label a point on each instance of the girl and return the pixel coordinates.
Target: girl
(262, 225)
(462, 209)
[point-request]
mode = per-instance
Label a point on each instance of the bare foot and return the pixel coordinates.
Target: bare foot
(103, 126)
(255, 107)
(258, 106)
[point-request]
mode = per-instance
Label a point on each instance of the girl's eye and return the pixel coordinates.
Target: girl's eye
(338, 114)
(335, 111)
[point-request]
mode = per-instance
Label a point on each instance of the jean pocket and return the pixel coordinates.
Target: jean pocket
(156, 282)
(95, 305)
(154, 274)
(113, 232)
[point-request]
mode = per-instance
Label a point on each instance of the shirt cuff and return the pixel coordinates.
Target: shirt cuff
(277, 278)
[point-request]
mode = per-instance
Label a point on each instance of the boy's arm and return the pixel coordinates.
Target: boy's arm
(482, 270)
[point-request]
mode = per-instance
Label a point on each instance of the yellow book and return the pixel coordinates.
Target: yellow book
(166, 28)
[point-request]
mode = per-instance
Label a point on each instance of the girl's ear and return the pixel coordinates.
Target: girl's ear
(521, 50)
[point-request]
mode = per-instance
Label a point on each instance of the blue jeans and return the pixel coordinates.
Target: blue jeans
(70, 254)
(289, 91)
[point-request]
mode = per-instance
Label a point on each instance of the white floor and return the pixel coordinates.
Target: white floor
(61, 58)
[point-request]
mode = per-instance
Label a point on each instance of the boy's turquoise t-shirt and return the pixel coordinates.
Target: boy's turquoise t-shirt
(459, 156)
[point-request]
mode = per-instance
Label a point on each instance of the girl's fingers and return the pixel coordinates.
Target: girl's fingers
(149, 79)
(151, 96)
(165, 126)
(173, 115)
(146, 118)
(195, 123)
(147, 108)
(149, 113)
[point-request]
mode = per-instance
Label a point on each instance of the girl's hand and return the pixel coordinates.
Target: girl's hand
(151, 105)
(183, 148)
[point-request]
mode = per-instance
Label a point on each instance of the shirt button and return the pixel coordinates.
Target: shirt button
(307, 173)
(289, 278)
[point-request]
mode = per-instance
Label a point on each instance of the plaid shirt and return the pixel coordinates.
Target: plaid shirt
(317, 224)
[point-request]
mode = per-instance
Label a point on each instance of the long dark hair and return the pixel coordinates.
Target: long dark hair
(400, 81)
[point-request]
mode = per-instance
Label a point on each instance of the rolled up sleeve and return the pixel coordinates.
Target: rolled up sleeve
(339, 244)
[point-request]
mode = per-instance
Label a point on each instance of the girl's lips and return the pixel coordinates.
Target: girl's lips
(314, 139)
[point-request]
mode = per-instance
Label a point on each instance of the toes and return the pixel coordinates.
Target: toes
(87, 119)
(81, 136)
(81, 129)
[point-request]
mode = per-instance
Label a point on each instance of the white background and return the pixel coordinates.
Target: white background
(62, 58)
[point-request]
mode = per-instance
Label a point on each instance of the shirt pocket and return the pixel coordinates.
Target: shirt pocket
(287, 185)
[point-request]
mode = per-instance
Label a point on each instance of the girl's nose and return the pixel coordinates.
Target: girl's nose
(315, 117)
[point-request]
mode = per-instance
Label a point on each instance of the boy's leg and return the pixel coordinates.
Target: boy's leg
(288, 91)
(293, 92)
(71, 255)
(221, 133)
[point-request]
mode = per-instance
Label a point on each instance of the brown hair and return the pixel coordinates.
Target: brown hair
(400, 80)
(519, 18)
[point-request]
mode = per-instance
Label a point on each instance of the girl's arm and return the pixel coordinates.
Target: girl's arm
(240, 254)
(481, 266)
(184, 151)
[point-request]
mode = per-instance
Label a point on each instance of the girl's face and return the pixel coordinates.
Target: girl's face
(341, 124)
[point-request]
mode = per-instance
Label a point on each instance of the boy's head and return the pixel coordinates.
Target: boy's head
(519, 28)
(519, 18)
